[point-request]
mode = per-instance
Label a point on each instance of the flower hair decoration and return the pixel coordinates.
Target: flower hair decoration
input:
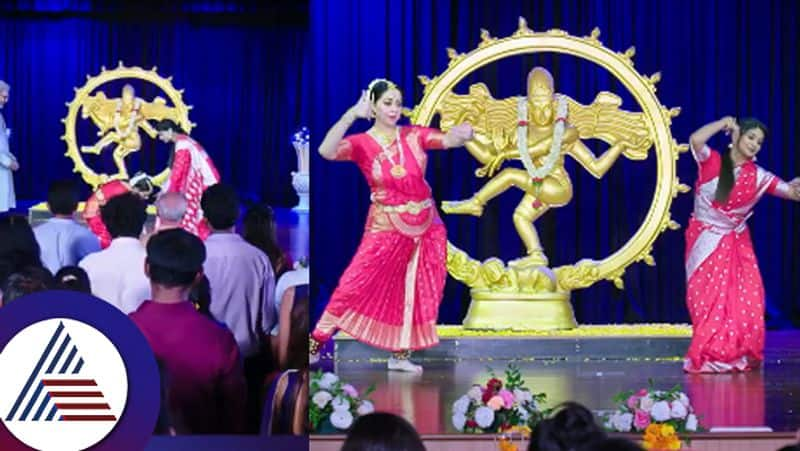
(374, 82)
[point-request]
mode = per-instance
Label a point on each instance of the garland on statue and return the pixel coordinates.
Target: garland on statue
(538, 174)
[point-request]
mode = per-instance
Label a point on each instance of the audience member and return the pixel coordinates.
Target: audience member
(73, 278)
(382, 432)
(116, 273)
(62, 240)
(260, 230)
(206, 387)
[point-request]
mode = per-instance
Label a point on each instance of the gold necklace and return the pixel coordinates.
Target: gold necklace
(398, 169)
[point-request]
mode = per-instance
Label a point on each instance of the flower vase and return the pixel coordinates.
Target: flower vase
(301, 184)
(300, 179)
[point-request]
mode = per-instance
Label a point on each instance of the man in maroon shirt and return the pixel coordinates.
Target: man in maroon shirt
(205, 386)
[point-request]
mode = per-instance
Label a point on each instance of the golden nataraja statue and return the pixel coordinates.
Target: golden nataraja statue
(120, 120)
(543, 137)
(540, 129)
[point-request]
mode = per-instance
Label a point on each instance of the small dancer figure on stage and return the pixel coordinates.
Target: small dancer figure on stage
(725, 293)
(389, 295)
(191, 172)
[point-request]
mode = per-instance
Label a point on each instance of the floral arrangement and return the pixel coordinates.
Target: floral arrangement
(335, 403)
(659, 414)
(499, 406)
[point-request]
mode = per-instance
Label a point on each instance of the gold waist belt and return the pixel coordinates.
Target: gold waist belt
(409, 207)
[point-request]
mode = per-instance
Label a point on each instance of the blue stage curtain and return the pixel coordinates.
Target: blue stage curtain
(717, 58)
(244, 67)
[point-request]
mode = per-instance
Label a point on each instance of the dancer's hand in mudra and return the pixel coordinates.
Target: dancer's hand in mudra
(794, 189)
(458, 135)
(362, 109)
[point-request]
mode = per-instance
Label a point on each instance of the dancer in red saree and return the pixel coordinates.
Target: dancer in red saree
(191, 172)
(724, 293)
(389, 295)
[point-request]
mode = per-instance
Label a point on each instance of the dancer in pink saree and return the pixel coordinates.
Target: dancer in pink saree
(389, 295)
(724, 293)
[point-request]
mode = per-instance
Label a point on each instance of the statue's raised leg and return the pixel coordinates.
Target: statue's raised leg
(524, 216)
(497, 185)
(100, 145)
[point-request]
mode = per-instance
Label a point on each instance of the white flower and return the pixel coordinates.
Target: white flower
(691, 423)
(646, 403)
(321, 399)
(459, 420)
(461, 405)
(524, 415)
(475, 393)
(365, 408)
(661, 411)
(340, 403)
(683, 399)
(522, 396)
(678, 410)
(484, 416)
(327, 380)
(622, 422)
(341, 419)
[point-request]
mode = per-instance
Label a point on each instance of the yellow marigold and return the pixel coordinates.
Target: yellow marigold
(507, 445)
(661, 436)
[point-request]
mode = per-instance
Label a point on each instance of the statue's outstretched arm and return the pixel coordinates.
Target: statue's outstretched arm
(597, 166)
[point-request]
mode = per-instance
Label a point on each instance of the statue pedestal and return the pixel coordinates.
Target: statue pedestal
(520, 311)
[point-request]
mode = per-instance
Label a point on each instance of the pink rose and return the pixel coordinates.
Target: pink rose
(508, 398)
(641, 393)
(633, 402)
(641, 420)
(496, 403)
(350, 390)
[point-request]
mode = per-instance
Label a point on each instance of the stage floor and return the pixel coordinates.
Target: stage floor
(769, 397)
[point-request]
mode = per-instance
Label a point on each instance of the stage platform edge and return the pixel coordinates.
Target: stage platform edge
(607, 342)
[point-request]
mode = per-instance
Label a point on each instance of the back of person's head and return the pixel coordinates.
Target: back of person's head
(18, 245)
(298, 339)
(258, 229)
(572, 425)
(382, 432)
(168, 124)
(171, 207)
(62, 197)
(73, 278)
(220, 205)
(124, 215)
(29, 280)
(611, 444)
(174, 258)
(795, 447)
